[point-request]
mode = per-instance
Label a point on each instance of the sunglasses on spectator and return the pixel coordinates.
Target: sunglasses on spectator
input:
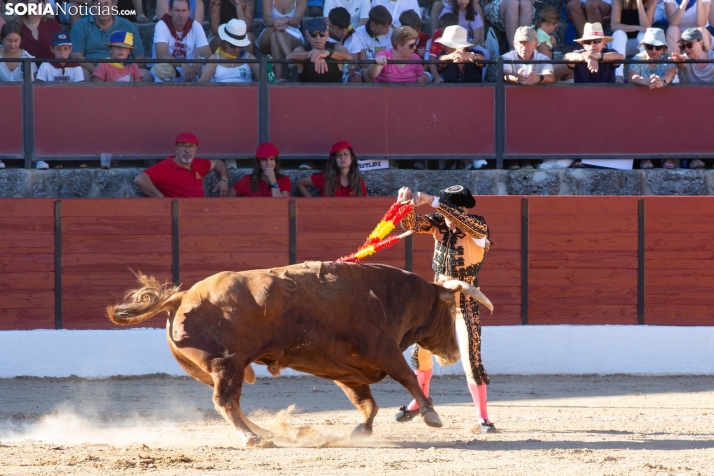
(655, 47)
(685, 45)
(186, 146)
(591, 42)
(315, 34)
(411, 46)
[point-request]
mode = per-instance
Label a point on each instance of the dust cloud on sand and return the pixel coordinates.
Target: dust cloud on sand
(584, 425)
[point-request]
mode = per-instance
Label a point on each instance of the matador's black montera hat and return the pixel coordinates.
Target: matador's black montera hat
(458, 195)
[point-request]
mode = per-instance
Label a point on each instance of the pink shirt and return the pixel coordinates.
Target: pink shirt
(399, 73)
(110, 74)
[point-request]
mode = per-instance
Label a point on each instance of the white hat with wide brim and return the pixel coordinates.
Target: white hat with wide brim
(234, 32)
(653, 36)
(455, 36)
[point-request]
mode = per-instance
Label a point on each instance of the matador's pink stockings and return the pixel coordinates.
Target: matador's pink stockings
(478, 393)
(423, 377)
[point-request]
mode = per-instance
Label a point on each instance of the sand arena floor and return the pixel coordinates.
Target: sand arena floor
(579, 425)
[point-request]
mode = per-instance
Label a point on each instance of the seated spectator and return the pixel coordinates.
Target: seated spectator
(181, 175)
(462, 66)
(266, 180)
(223, 11)
(341, 177)
(178, 36)
(340, 29)
(358, 11)
(412, 19)
(235, 40)
(323, 56)
(120, 46)
(37, 31)
(445, 21)
(508, 15)
(630, 19)
(594, 63)
(685, 14)
(11, 37)
(404, 41)
(60, 70)
(692, 47)
(546, 22)
(197, 9)
(525, 49)
(91, 35)
(370, 39)
(588, 11)
(396, 8)
(468, 13)
(282, 34)
(653, 76)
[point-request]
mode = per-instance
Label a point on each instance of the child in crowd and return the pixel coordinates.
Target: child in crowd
(60, 70)
(546, 22)
(412, 19)
(120, 45)
(341, 30)
(446, 20)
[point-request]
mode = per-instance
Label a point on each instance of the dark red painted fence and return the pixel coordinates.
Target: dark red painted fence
(11, 127)
(587, 260)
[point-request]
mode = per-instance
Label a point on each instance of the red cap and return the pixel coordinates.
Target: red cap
(186, 137)
(343, 144)
(265, 150)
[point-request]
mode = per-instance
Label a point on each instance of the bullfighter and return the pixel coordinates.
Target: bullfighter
(461, 241)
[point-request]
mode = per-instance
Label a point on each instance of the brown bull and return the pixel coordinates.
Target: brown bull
(345, 322)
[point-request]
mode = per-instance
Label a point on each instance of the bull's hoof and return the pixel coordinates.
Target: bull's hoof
(432, 419)
(362, 431)
(258, 442)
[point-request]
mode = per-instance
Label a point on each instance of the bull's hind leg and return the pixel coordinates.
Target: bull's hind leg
(227, 388)
(394, 365)
(361, 397)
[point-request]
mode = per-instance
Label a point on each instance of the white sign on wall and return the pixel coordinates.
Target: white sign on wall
(373, 164)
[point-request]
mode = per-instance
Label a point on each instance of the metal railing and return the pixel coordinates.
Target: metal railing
(264, 111)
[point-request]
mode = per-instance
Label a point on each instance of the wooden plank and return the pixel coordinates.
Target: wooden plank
(596, 295)
(666, 319)
(111, 280)
(11, 225)
(236, 243)
(336, 206)
(660, 295)
(499, 259)
(28, 207)
(510, 276)
(75, 318)
(116, 244)
(582, 259)
(116, 225)
(13, 282)
(28, 243)
(208, 207)
(702, 276)
(116, 207)
(569, 205)
(679, 241)
(676, 206)
(583, 242)
(583, 314)
(89, 263)
(23, 299)
(28, 263)
(680, 223)
(27, 319)
(584, 277)
(678, 314)
(595, 224)
(232, 260)
(245, 225)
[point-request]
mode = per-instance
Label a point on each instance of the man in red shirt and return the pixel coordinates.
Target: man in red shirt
(181, 175)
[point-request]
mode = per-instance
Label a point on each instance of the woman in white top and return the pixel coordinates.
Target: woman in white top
(235, 39)
(10, 37)
(684, 14)
(282, 34)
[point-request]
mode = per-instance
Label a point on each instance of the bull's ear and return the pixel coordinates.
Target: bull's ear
(446, 294)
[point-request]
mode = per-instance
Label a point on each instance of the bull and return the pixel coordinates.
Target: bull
(345, 322)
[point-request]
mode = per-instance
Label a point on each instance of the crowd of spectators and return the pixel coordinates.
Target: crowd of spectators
(379, 32)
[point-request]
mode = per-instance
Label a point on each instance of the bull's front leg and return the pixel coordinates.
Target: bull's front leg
(227, 388)
(361, 397)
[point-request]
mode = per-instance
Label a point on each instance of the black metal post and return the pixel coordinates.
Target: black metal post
(524, 261)
(500, 115)
(641, 261)
(58, 264)
(408, 243)
(28, 113)
(175, 263)
(292, 232)
(263, 102)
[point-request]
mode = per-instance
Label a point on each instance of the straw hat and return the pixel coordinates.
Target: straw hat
(593, 31)
(653, 36)
(454, 36)
(234, 32)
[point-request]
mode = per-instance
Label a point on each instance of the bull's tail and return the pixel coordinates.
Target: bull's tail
(144, 303)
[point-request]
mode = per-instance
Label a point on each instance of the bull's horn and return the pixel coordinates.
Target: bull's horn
(455, 285)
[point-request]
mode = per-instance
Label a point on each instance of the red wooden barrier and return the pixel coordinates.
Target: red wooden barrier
(145, 120)
(582, 260)
(27, 263)
(11, 129)
(679, 261)
(231, 235)
(604, 120)
(101, 240)
(382, 120)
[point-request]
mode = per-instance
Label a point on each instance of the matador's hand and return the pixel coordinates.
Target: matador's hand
(404, 195)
